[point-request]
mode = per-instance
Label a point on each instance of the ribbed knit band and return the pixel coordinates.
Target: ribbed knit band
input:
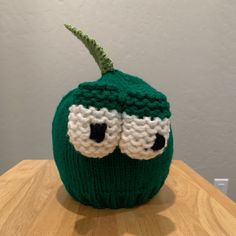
(116, 180)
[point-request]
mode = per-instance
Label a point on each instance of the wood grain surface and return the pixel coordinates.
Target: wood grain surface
(33, 201)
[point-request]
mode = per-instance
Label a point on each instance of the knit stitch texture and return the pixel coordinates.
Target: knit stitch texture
(112, 138)
(114, 177)
(104, 62)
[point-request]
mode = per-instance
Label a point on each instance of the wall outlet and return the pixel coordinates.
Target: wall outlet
(222, 184)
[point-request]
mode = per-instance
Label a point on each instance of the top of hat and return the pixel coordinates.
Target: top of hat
(104, 62)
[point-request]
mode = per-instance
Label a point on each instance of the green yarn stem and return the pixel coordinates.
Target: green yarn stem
(104, 62)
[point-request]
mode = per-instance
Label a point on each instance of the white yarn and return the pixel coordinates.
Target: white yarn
(79, 121)
(138, 136)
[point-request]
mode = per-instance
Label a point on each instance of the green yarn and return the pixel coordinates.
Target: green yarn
(105, 64)
(123, 92)
(116, 180)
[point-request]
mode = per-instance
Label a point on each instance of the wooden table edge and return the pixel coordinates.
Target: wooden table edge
(21, 163)
(220, 197)
(215, 193)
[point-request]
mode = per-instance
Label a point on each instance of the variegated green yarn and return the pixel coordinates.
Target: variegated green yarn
(104, 62)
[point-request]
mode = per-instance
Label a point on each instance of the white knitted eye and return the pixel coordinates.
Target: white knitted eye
(145, 138)
(94, 132)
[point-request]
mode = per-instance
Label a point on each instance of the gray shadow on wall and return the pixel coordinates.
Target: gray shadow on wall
(141, 220)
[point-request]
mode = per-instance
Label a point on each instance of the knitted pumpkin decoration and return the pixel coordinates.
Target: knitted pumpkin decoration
(112, 139)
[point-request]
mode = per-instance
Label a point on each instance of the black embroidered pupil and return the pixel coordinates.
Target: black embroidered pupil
(159, 142)
(97, 132)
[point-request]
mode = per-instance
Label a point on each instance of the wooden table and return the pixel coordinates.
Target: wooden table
(33, 201)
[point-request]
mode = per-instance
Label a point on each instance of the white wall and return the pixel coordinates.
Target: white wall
(185, 48)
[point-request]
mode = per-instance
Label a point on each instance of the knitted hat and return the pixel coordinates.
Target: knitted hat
(112, 139)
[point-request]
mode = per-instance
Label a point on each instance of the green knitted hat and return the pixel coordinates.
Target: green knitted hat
(112, 138)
